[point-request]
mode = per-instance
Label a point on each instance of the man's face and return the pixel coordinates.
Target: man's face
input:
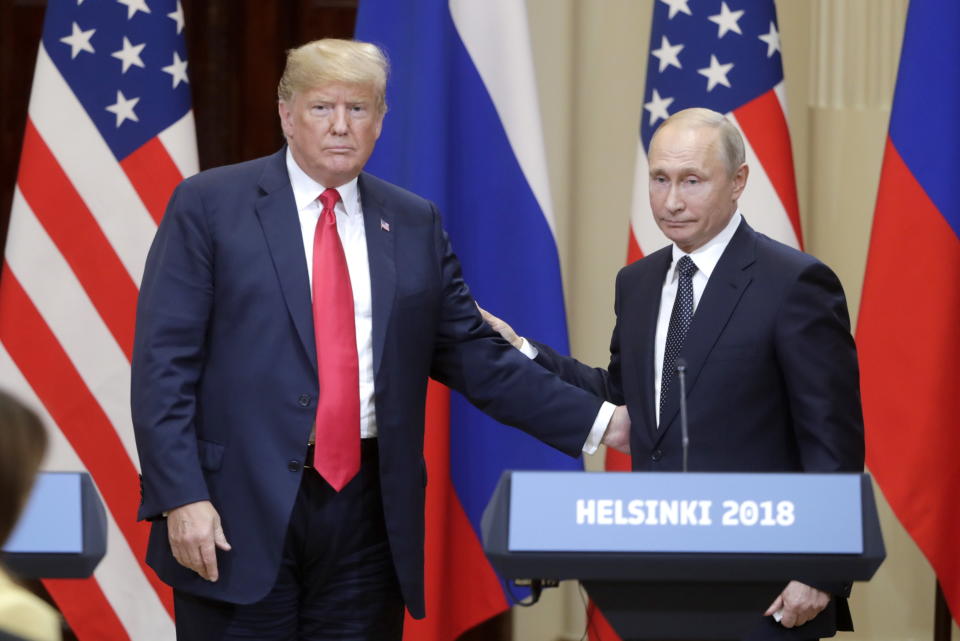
(692, 194)
(331, 130)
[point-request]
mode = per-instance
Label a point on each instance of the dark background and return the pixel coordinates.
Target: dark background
(236, 51)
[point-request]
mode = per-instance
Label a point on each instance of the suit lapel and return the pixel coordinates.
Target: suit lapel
(380, 228)
(277, 212)
(728, 282)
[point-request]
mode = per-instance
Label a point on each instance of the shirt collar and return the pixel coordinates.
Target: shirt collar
(707, 256)
(306, 190)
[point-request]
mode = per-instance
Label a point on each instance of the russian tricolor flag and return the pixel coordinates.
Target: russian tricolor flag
(463, 129)
(909, 326)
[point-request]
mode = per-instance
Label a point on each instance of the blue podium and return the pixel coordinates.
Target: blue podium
(62, 533)
(684, 555)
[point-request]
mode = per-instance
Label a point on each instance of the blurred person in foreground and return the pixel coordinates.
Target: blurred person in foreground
(23, 442)
(291, 312)
(772, 374)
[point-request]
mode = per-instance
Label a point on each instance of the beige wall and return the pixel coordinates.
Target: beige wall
(840, 61)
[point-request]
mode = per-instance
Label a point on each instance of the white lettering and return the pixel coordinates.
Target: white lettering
(730, 515)
(652, 512)
(586, 511)
(688, 513)
(671, 512)
(605, 512)
(668, 512)
(749, 513)
(636, 510)
(705, 512)
(618, 517)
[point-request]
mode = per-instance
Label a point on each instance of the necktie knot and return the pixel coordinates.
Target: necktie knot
(686, 267)
(328, 199)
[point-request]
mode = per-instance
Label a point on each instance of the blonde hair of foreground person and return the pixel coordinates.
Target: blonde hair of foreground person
(332, 60)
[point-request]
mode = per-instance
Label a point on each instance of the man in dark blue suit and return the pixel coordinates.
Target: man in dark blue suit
(772, 375)
(282, 353)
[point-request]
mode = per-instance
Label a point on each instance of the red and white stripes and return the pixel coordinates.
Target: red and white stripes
(80, 227)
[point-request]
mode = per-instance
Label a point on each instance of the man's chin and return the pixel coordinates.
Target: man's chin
(676, 232)
(339, 175)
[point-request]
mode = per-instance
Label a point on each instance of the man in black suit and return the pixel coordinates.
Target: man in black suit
(772, 375)
(291, 311)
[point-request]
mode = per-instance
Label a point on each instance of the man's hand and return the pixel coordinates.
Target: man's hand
(617, 435)
(798, 603)
(195, 533)
(501, 328)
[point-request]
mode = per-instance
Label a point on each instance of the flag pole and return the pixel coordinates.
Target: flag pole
(942, 620)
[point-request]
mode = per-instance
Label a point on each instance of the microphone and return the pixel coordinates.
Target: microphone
(684, 428)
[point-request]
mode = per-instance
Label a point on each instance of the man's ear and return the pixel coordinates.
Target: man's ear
(740, 180)
(286, 117)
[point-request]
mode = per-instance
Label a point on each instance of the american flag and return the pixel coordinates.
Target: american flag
(109, 134)
(723, 55)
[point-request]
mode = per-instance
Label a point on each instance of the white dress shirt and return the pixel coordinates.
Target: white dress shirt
(599, 428)
(353, 237)
(706, 259)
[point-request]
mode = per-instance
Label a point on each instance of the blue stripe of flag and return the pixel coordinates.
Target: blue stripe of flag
(925, 123)
(442, 139)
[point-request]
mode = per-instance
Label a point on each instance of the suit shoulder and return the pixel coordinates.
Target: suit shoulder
(788, 259)
(653, 262)
(394, 196)
(241, 173)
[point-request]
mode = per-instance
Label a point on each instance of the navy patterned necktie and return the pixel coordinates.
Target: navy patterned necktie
(679, 323)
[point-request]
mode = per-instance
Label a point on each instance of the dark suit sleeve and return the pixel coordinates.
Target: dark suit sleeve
(498, 379)
(604, 383)
(819, 365)
(172, 314)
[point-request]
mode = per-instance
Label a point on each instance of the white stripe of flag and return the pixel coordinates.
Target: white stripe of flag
(71, 309)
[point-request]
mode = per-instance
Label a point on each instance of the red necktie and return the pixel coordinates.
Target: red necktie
(337, 452)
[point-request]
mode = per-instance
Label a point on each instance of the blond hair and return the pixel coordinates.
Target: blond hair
(731, 142)
(334, 60)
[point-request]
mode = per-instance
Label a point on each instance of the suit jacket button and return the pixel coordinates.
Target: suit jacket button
(304, 400)
(656, 455)
(294, 465)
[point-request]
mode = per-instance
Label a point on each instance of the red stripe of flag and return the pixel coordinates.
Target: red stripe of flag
(765, 126)
(598, 628)
(453, 549)
(634, 253)
(78, 237)
(909, 345)
(153, 174)
(51, 374)
(85, 606)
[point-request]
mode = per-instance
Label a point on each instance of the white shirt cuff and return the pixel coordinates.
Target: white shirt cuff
(599, 428)
(603, 416)
(528, 350)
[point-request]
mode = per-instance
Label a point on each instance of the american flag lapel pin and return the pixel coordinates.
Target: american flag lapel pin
(384, 225)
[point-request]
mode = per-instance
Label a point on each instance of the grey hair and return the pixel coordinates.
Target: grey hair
(730, 139)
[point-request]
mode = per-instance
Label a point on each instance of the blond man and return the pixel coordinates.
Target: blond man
(291, 311)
